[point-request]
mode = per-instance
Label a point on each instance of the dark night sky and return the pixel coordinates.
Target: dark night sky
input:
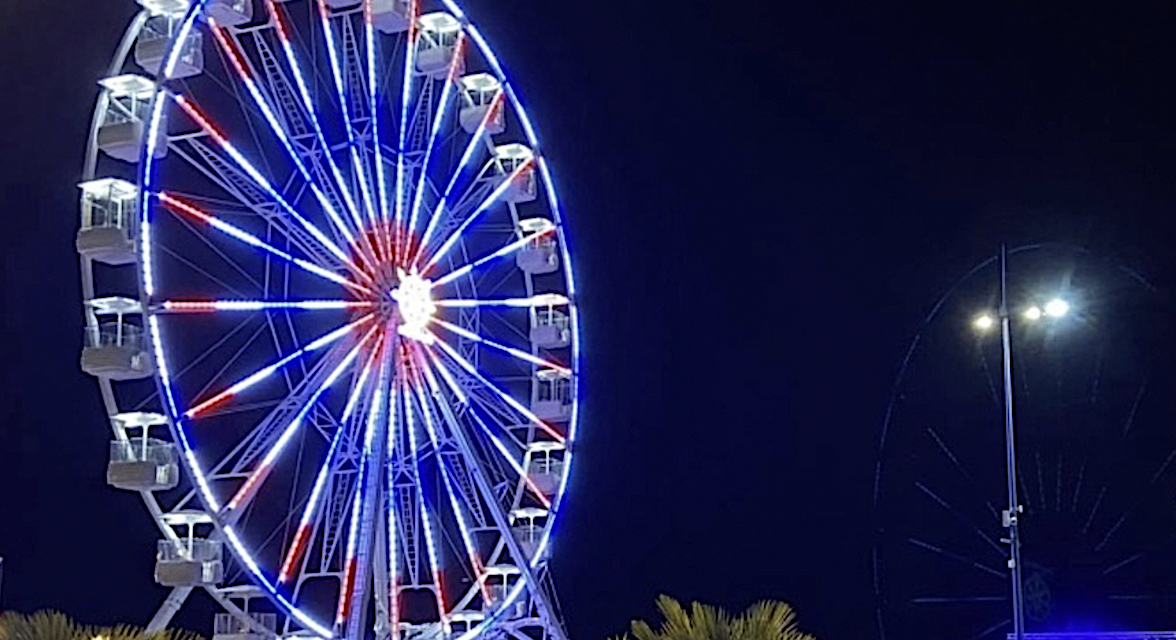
(765, 199)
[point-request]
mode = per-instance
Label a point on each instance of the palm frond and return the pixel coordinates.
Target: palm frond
(765, 620)
(54, 625)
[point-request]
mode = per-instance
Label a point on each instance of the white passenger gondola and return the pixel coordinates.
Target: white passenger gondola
(541, 255)
(188, 560)
(528, 524)
(230, 13)
(463, 621)
(479, 95)
(121, 133)
(139, 462)
(109, 219)
(545, 466)
(226, 626)
(391, 16)
(553, 395)
(516, 162)
(437, 44)
(115, 349)
(550, 327)
(500, 579)
(154, 41)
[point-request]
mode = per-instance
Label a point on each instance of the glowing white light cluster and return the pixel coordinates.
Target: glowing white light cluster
(416, 305)
(1057, 308)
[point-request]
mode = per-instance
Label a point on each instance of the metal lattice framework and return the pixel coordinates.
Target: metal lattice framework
(320, 243)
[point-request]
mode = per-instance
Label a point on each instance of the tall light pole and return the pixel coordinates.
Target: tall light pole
(1010, 517)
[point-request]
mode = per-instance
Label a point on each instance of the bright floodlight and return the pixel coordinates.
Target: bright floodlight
(1057, 308)
(984, 322)
(1033, 313)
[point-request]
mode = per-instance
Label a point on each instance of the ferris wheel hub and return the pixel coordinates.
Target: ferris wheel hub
(415, 306)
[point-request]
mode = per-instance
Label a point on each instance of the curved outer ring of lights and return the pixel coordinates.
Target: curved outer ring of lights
(176, 419)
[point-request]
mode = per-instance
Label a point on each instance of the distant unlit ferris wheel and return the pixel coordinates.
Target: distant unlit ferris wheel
(1096, 459)
(321, 245)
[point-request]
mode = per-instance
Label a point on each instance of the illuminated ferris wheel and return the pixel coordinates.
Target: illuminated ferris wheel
(323, 254)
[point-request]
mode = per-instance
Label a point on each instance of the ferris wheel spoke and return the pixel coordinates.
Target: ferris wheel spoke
(233, 53)
(207, 306)
(955, 557)
(373, 81)
(517, 353)
(209, 129)
(1093, 510)
(485, 205)
(467, 156)
(410, 53)
(396, 419)
(249, 489)
(1138, 502)
(959, 466)
(504, 251)
(221, 172)
(476, 565)
(341, 89)
(179, 206)
(506, 397)
(357, 561)
(935, 497)
(538, 301)
(253, 379)
(442, 110)
(341, 184)
(957, 599)
(260, 438)
(219, 252)
(984, 633)
(1123, 563)
(310, 512)
(426, 514)
(433, 363)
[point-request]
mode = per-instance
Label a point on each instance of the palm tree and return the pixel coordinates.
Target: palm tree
(766, 620)
(54, 625)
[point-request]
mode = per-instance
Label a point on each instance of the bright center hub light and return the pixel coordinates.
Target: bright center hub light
(415, 304)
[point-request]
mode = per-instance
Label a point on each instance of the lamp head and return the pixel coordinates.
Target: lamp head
(1057, 308)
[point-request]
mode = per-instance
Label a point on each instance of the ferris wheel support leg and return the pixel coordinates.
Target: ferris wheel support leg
(168, 609)
(554, 628)
(380, 582)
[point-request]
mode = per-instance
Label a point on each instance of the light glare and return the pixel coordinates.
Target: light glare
(1033, 313)
(984, 322)
(1057, 308)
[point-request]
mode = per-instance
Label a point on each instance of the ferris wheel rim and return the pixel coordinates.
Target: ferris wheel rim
(146, 285)
(89, 291)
